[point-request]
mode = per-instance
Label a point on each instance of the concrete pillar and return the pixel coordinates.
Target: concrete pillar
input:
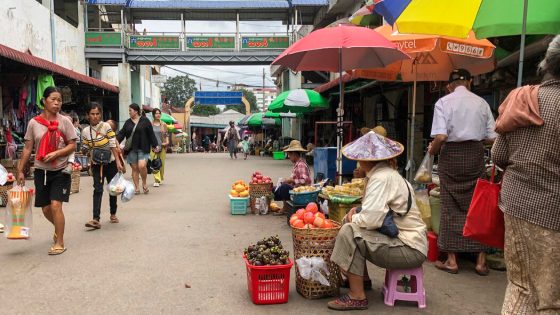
(125, 96)
(294, 82)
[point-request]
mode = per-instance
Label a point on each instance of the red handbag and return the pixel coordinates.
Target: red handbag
(485, 220)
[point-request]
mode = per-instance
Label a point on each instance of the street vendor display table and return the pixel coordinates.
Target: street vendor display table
(324, 162)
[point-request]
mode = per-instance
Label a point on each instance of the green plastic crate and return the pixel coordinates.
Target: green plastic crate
(279, 155)
(238, 205)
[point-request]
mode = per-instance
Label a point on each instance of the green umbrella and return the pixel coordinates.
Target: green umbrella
(168, 119)
(258, 119)
(298, 101)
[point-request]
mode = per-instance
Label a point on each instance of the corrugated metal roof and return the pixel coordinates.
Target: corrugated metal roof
(210, 4)
(37, 62)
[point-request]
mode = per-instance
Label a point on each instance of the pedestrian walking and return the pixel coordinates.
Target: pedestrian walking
(53, 138)
(140, 140)
(245, 145)
(360, 239)
(527, 148)
(232, 138)
(99, 140)
(462, 124)
(160, 130)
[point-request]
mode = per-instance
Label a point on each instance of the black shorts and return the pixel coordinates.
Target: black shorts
(57, 187)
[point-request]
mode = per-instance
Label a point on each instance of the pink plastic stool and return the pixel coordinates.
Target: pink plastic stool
(393, 279)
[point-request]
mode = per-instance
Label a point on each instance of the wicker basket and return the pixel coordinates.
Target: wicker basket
(316, 243)
(259, 190)
(75, 186)
(4, 193)
(337, 211)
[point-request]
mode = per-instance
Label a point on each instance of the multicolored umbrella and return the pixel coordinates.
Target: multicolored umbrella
(487, 18)
(298, 101)
(258, 120)
(364, 16)
(336, 49)
(168, 119)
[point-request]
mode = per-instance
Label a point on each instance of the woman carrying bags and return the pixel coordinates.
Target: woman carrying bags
(160, 130)
(99, 140)
(140, 139)
(53, 138)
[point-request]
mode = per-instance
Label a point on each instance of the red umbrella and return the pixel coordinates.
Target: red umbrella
(338, 48)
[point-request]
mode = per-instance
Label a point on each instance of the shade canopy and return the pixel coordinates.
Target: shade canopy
(298, 101)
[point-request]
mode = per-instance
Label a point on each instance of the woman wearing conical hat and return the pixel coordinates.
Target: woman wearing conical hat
(380, 130)
(400, 246)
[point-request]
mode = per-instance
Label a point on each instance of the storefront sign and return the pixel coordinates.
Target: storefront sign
(103, 39)
(260, 42)
(208, 42)
(155, 42)
(465, 49)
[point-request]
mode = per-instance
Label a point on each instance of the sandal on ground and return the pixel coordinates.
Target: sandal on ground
(443, 266)
(345, 303)
(146, 190)
(368, 285)
(482, 272)
(114, 219)
(56, 250)
(94, 224)
(137, 192)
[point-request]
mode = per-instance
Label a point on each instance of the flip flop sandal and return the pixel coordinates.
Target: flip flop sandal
(137, 192)
(114, 219)
(56, 251)
(484, 272)
(146, 190)
(442, 266)
(93, 224)
(345, 303)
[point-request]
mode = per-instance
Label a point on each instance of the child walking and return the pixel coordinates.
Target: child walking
(245, 144)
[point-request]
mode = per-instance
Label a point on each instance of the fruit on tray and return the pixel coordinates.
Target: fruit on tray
(259, 178)
(274, 207)
(355, 188)
(304, 189)
(310, 218)
(267, 252)
(239, 189)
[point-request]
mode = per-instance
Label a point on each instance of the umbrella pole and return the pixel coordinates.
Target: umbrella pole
(339, 118)
(522, 45)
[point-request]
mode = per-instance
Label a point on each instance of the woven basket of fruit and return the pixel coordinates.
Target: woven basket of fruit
(314, 236)
(259, 186)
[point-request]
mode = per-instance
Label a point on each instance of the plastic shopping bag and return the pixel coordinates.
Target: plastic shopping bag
(424, 173)
(3, 175)
(19, 218)
(423, 203)
(485, 220)
(314, 269)
(128, 192)
(117, 185)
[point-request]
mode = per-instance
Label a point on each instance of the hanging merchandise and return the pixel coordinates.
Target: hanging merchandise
(43, 82)
(66, 95)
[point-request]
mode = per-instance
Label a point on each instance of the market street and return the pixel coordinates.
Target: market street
(182, 234)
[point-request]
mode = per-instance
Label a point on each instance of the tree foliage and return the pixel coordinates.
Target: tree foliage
(251, 98)
(205, 110)
(178, 90)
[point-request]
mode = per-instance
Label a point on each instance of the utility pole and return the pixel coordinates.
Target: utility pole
(264, 105)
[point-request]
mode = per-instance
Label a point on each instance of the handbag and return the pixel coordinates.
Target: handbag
(485, 220)
(154, 165)
(98, 156)
(128, 142)
(389, 227)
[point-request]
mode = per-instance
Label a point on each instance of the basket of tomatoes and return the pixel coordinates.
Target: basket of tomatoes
(314, 236)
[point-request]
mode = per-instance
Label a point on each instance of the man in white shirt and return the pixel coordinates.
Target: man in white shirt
(463, 122)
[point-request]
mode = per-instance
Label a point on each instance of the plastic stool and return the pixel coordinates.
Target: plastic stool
(392, 280)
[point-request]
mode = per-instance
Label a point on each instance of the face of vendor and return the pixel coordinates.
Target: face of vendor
(53, 102)
(293, 156)
(94, 116)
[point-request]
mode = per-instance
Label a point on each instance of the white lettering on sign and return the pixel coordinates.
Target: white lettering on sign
(465, 49)
(406, 44)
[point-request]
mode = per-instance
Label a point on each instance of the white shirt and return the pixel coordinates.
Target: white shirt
(386, 188)
(463, 116)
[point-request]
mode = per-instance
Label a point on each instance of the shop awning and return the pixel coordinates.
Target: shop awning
(347, 77)
(37, 62)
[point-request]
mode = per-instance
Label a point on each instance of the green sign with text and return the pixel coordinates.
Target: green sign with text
(103, 39)
(210, 42)
(262, 42)
(155, 42)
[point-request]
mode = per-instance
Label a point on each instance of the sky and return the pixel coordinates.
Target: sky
(250, 75)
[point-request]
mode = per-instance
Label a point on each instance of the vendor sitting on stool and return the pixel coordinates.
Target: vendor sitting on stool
(360, 239)
(300, 173)
(359, 172)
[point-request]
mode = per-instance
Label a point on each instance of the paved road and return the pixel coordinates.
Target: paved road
(182, 233)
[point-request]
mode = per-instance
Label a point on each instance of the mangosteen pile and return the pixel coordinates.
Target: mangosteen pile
(267, 252)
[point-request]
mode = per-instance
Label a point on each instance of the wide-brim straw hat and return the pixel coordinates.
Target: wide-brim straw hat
(372, 147)
(295, 146)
